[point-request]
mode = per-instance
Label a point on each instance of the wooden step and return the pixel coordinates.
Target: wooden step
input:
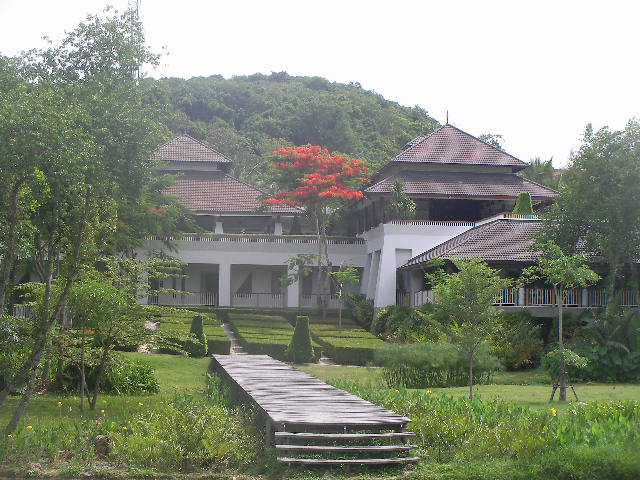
(331, 448)
(356, 461)
(344, 436)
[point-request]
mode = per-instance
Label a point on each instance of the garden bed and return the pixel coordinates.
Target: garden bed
(349, 345)
(264, 334)
(177, 320)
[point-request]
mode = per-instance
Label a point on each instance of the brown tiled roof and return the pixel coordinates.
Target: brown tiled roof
(463, 184)
(218, 192)
(450, 145)
(503, 240)
(187, 149)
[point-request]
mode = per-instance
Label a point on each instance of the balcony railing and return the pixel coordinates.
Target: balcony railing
(537, 297)
(314, 300)
(267, 300)
(184, 300)
(256, 238)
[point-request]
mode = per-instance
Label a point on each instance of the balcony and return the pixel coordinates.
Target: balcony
(188, 299)
(255, 238)
(536, 297)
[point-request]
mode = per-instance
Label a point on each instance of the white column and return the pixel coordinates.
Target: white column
(293, 295)
(366, 273)
(219, 227)
(373, 274)
(277, 228)
(224, 285)
(385, 292)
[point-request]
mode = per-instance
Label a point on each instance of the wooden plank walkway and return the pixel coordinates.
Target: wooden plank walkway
(298, 407)
(292, 398)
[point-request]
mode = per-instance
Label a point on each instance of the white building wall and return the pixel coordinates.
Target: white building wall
(392, 244)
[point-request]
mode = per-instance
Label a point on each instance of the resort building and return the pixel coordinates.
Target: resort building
(463, 189)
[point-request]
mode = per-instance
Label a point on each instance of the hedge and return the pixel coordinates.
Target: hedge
(350, 345)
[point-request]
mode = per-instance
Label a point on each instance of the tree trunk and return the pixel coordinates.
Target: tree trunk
(82, 370)
(101, 369)
(563, 367)
(470, 377)
(8, 256)
(22, 406)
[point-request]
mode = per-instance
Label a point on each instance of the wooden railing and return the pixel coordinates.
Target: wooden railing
(183, 300)
(255, 299)
(507, 297)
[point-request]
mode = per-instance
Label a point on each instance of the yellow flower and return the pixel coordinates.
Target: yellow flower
(59, 404)
(140, 404)
(101, 411)
(9, 436)
(554, 412)
(428, 392)
(124, 428)
(29, 427)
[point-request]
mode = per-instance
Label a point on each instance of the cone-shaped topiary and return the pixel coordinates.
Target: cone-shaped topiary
(523, 204)
(300, 349)
(197, 348)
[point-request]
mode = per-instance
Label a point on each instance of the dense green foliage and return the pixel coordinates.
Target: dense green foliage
(400, 206)
(462, 429)
(246, 117)
(360, 308)
(122, 377)
(199, 348)
(300, 349)
(597, 208)
(422, 365)
(518, 343)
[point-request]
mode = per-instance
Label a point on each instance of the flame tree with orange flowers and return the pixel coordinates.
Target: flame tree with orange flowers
(310, 177)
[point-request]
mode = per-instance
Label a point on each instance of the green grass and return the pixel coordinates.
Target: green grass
(531, 388)
(174, 373)
(178, 320)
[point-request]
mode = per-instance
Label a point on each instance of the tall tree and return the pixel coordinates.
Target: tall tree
(112, 136)
(598, 209)
(467, 299)
(563, 272)
(400, 206)
(310, 177)
(542, 171)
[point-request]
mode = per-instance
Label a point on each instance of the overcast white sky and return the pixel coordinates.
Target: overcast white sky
(535, 72)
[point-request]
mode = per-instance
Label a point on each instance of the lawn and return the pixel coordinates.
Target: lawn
(174, 373)
(530, 388)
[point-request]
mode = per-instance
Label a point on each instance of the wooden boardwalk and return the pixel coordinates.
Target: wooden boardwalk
(298, 407)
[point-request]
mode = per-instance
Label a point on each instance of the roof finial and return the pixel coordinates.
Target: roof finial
(447, 117)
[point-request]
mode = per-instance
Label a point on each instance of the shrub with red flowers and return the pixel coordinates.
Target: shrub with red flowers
(310, 177)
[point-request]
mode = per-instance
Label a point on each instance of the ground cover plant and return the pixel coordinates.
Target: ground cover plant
(349, 345)
(461, 429)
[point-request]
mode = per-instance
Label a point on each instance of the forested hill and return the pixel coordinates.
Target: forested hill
(247, 116)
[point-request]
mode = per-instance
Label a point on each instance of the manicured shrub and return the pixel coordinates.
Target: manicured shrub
(523, 203)
(424, 365)
(197, 345)
(300, 349)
